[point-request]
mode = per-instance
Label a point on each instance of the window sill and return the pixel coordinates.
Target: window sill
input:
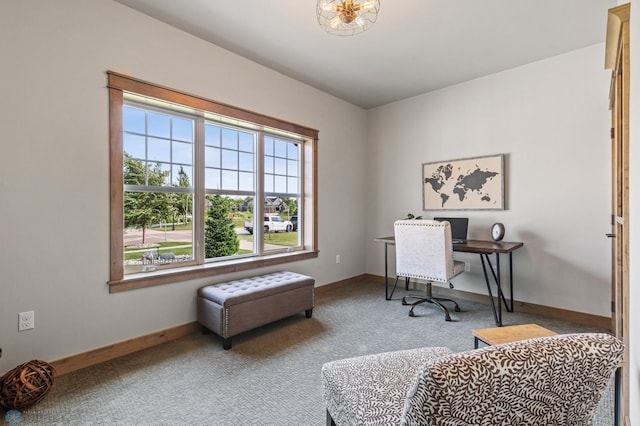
(169, 276)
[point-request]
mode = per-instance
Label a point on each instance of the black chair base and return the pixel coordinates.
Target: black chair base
(429, 299)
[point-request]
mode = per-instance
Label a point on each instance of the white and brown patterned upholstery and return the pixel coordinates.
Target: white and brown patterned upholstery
(555, 380)
(372, 389)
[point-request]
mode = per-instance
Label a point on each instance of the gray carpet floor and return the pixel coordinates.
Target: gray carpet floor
(271, 376)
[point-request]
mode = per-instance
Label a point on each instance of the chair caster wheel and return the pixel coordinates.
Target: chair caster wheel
(411, 314)
(404, 303)
(458, 309)
(447, 318)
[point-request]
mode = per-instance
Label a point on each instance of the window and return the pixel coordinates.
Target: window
(158, 191)
(200, 188)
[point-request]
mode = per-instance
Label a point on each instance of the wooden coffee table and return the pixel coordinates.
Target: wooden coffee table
(511, 333)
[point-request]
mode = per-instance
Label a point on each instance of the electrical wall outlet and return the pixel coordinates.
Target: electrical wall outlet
(337, 258)
(467, 266)
(26, 320)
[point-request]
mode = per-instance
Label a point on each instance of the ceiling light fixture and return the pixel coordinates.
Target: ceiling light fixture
(347, 17)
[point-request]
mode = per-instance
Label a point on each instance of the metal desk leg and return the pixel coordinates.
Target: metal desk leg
(498, 279)
(495, 272)
(387, 295)
(510, 308)
(499, 285)
(386, 274)
(486, 278)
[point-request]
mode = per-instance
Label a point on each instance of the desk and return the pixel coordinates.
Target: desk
(512, 333)
(484, 249)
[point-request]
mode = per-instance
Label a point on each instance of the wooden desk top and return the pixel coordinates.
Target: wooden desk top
(387, 240)
(511, 333)
(471, 246)
(482, 246)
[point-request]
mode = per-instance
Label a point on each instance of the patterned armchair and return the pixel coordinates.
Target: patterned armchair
(555, 380)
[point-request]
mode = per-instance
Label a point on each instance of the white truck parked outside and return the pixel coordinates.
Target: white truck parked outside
(271, 224)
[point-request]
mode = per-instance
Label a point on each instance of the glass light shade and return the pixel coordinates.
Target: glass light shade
(347, 17)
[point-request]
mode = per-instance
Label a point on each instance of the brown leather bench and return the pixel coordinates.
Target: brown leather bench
(233, 307)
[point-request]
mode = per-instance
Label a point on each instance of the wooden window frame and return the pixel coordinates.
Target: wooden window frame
(118, 84)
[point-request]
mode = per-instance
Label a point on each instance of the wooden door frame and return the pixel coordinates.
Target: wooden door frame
(617, 59)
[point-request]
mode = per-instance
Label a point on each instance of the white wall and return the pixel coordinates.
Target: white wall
(54, 168)
(550, 119)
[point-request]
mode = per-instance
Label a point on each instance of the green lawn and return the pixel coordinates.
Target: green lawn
(288, 239)
(285, 239)
(178, 227)
(131, 253)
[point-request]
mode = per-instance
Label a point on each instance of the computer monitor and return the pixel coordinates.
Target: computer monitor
(459, 228)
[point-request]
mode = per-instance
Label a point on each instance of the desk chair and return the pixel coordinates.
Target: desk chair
(424, 251)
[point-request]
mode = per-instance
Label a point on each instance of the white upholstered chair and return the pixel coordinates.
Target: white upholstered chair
(424, 251)
(555, 380)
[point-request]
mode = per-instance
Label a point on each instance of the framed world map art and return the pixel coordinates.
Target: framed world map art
(464, 184)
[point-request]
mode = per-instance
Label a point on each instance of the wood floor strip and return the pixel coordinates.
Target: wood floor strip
(106, 353)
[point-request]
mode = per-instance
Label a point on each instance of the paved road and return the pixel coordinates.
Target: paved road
(155, 236)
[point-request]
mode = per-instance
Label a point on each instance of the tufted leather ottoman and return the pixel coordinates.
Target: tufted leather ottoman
(233, 307)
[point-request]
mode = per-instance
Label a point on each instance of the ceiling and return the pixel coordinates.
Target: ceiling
(416, 46)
